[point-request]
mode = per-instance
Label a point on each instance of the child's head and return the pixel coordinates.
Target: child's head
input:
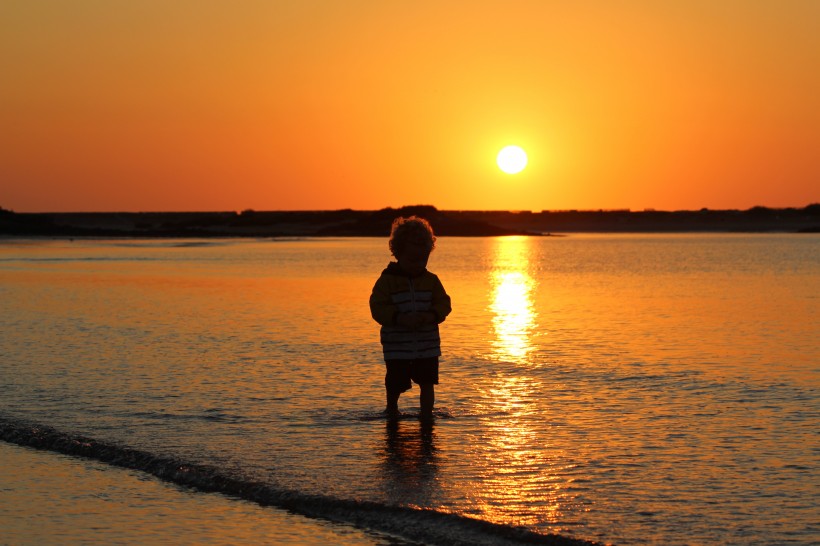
(411, 242)
(412, 230)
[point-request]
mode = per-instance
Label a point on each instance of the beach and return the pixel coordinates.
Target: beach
(48, 498)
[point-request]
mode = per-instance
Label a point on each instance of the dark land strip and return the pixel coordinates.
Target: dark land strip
(355, 223)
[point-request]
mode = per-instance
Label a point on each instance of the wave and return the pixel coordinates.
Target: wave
(424, 525)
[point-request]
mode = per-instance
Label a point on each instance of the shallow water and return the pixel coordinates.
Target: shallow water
(621, 388)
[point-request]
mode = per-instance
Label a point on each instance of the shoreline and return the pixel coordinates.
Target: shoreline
(47, 497)
(410, 524)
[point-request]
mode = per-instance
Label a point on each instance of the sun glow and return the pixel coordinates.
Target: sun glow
(511, 159)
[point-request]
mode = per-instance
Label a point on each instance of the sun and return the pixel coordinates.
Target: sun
(511, 159)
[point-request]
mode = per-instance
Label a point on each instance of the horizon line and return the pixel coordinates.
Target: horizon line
(514, 211)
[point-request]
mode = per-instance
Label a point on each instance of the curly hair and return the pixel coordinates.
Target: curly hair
(411, 230)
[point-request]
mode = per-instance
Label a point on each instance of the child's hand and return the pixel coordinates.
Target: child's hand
(427, 317)
(415, 319)
(408, 320)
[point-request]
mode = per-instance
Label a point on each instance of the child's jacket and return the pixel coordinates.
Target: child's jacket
(395, 292)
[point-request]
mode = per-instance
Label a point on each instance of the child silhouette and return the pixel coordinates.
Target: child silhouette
(410, 302)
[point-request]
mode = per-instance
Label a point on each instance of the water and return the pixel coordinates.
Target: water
(618, 388)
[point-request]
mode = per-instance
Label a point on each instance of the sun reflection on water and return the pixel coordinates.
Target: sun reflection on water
(511, 299)
(522, 470)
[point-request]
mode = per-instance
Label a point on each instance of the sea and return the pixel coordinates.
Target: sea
(607, 388)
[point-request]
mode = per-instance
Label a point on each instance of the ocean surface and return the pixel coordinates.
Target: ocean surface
(625, 389)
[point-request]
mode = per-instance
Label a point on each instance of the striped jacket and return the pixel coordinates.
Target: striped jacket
(395, 292)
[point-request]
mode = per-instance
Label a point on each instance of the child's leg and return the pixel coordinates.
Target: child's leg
(427, 399)
(393, 401)
(396, 381)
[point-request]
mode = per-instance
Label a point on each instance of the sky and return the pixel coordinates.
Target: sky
(206, 105)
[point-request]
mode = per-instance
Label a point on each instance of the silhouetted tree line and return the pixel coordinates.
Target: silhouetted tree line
(348, 222)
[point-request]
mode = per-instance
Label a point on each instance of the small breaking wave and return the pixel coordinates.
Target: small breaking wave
(425, 525)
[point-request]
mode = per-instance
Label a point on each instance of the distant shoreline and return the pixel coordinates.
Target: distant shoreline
(353, 223)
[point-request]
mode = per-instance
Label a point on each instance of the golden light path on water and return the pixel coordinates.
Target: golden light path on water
(512, 303)
(514, 450)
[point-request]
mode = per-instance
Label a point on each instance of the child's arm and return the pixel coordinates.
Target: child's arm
(382, 308)
(441, 305)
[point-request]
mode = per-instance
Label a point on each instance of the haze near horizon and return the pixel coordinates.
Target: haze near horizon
(321, 105)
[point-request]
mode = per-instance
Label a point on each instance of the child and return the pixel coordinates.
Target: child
(410, 302)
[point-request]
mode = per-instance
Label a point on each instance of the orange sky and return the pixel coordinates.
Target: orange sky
(319, 104)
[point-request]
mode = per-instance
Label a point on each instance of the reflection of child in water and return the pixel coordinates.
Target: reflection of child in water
(409, 302)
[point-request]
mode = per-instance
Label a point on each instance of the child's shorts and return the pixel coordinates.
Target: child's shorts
(420, 370)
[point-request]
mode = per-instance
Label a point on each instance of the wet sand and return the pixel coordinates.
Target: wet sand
(49, 498)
